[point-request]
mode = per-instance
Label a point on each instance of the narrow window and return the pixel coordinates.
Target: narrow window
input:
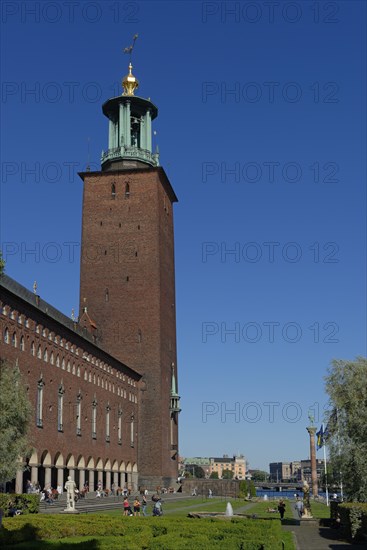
(39, 352)
(127, 191)
(22, 343)
(52, 358)
(45, 355)
(113, 191)
(57, 361)
(132, 431)
(6, 336)
(106, 295)
(79, 414)
(39, 407)
(60, 406)
(14, 340)
(119, 427)
(108, 409)
(94, 419)
(33, 349)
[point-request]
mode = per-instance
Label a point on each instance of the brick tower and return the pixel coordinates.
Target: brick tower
(127, 284)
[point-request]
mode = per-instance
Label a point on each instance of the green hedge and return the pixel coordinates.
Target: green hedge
(28, 504)
(148, 533)
(353, 520)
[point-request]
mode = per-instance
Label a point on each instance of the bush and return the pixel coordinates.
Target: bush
(353, 520)
(28, 504)
(146, 533)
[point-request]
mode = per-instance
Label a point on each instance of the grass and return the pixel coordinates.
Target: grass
(173, 531)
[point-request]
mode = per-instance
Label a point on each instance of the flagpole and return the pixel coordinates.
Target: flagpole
(326, 483)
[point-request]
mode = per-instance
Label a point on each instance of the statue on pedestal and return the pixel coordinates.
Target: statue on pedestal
(306, 501)
(70, 487)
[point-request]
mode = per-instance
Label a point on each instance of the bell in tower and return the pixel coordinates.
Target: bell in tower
(130, 129)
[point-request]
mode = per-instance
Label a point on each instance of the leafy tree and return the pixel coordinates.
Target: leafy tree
(15, 414)
(2, 264)
(247, 487)
(227, 474)
(195, 471)
(259, 475)
(214, 475)
(346, 385)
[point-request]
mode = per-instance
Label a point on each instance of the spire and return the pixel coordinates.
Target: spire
(130, 83)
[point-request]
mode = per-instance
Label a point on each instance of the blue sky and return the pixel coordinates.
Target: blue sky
(261, 130)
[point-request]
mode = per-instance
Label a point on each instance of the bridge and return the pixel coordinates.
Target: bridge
(279, 486)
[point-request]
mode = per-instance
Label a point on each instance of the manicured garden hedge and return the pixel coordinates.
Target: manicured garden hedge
(148, 533)
(353, 520)
(28, 504)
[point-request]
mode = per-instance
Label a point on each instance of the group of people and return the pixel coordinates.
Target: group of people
(142, 505)
(281, 507)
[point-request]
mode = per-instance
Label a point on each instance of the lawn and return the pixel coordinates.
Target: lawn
(173, 531)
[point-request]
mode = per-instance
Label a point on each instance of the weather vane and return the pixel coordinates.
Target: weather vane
(129, 49)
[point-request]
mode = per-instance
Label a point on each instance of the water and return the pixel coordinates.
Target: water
(229, 509)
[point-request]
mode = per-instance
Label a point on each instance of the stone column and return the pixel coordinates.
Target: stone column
(47, 476)
(81, 479)
(122, 480)
(312, 431)
(91, 480)
(108, 480)
(60, 477)
(148, 131)
(116, 479)
(19, 482)
(134, 481)
(34, 475)
(72, 473)
(128, 124)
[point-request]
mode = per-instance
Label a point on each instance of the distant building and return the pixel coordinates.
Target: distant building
(236, 464)
(280, 471)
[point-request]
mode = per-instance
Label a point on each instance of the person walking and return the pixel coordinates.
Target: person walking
(144, 505)
(299, 507)
(281, 508)
(136, 507)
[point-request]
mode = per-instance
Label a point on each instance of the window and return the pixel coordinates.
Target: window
(127, 191)
(60, 406)
(14, 340)
(39, 407)
(94, 418)
(39, 352)
(119, 427)
(69, 367)
(79, 414)
(108, 409)
(33, 349)
(22, 343)
(52, 358)
(57, 360)
(63, 364)
(106, 295)
(45, 355)
(113, 191)
(78, 372)
(6, 336)
(132, 431)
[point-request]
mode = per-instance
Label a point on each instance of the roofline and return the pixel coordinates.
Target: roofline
(166, 183)
(40, 305)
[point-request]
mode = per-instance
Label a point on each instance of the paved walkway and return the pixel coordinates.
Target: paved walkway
(310, 536)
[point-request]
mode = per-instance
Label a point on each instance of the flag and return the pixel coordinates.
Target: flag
(321, 436)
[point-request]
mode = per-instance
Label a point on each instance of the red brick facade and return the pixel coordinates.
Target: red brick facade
(74, 376)
(127, 285)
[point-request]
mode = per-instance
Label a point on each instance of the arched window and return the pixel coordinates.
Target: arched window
(6, 336)
(57, 360)
(52, 358)
(45, 355)
(22, 343)
(39, 352)
(39, 407)
(14, 340)
(63, 364)
(127, 191)
(73, 370)
(78, 372)
(69, 367)
(33, 348)
(113, 191)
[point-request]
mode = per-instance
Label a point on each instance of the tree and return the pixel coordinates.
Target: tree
(15, 414)
(346, 385)
(214, 475)
(227, 474)
(195, 471)
(259, 475)
(2, 264)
